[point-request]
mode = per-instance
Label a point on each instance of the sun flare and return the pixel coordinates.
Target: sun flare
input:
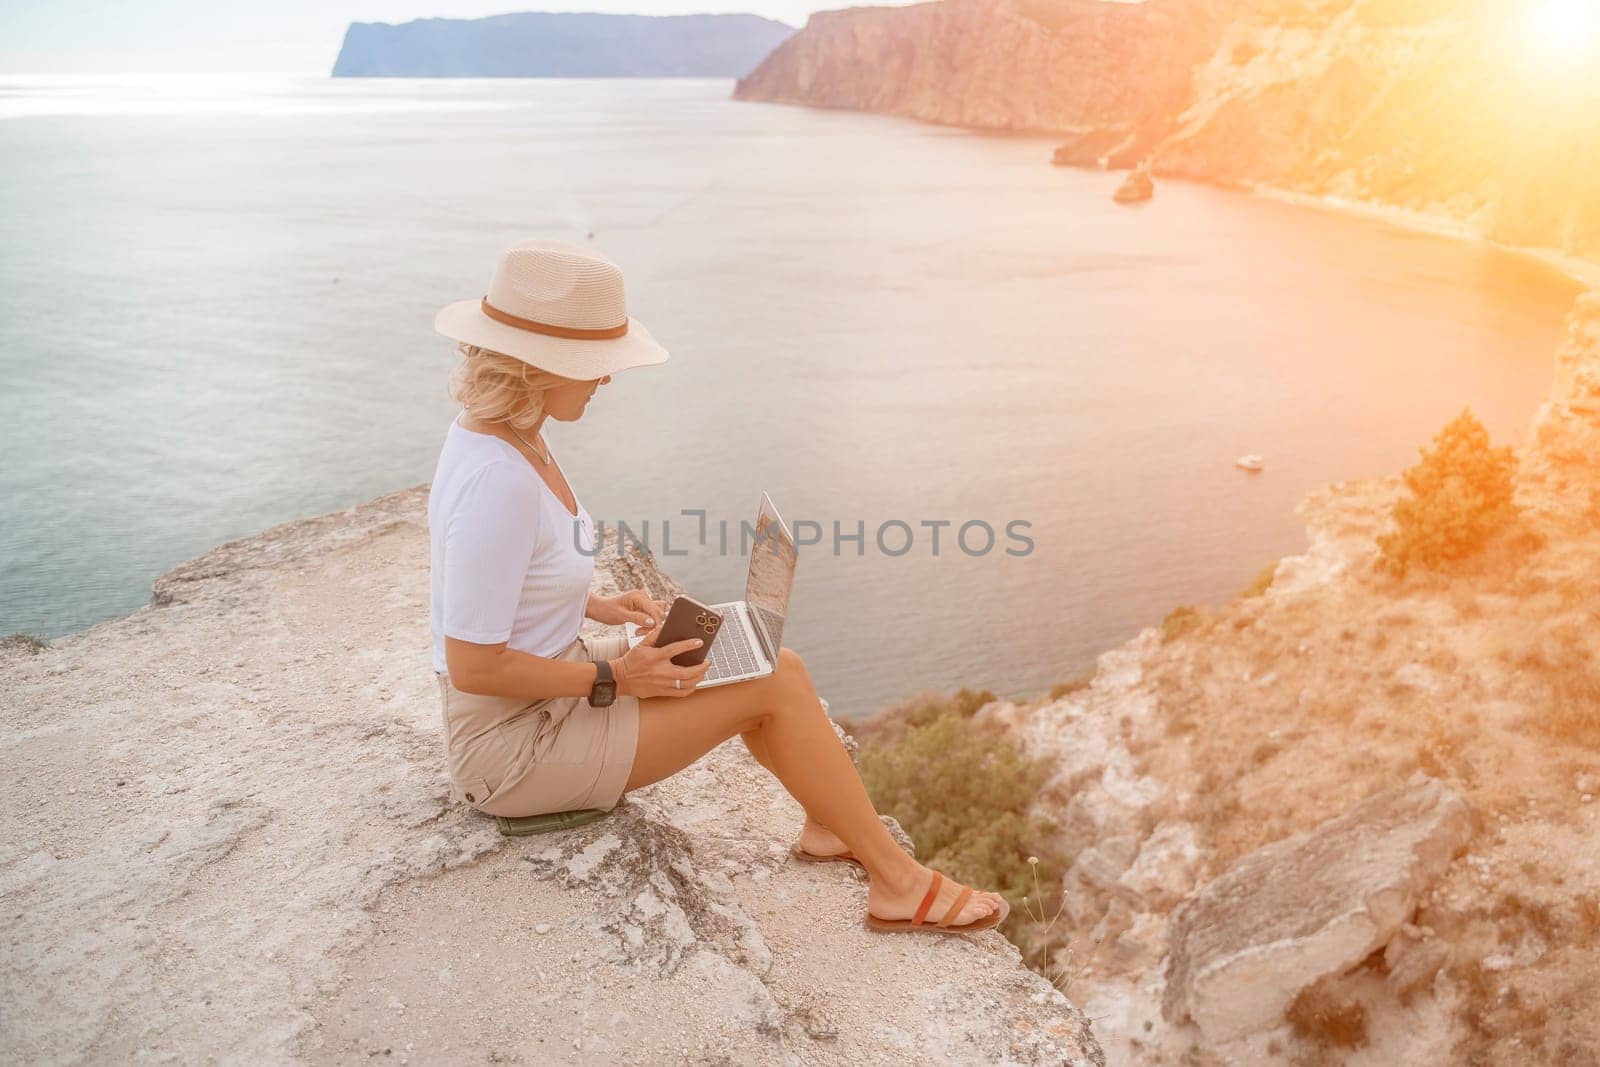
(1563, 26)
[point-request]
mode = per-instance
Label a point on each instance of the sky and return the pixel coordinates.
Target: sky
(284, 36)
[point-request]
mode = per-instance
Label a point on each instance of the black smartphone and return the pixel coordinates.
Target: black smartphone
(687, 618)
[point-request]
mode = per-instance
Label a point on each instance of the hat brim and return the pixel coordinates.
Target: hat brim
(571, 358)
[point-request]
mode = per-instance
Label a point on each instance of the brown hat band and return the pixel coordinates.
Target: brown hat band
(574, 332)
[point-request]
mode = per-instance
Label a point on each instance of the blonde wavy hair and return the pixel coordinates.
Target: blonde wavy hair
(494, 387)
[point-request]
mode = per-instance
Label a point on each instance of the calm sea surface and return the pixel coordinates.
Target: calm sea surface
(216, 301)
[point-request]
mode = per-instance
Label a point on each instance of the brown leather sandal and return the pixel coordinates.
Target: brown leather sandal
(811, 857)
(993, 919)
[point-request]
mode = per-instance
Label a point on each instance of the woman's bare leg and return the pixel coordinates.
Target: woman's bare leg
(814, 837)
(794, 734)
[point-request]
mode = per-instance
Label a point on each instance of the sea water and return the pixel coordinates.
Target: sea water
(216, 304)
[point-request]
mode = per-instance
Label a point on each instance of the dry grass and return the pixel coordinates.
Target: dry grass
(1512, 1017)
(23, 642)
(1564, 665)
(1515, 915)
(1575, 713)
(1588, 909)
(1032, 933)
(1265, 751)
(1215, 814)
(1530, 1006)
(1327, 1017)
(1465, 601)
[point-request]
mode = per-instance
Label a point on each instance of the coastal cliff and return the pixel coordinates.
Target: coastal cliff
(995, 64)
(1349, 817)
(1451, 111)
(227, 837)
(560, 45)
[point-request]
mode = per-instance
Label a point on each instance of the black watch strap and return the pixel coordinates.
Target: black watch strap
(604, 691)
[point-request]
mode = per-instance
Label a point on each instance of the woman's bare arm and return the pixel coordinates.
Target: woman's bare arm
(498, 671)
(495, 670)
(635, 606)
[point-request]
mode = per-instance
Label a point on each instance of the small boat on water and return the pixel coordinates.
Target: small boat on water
(1248, 462)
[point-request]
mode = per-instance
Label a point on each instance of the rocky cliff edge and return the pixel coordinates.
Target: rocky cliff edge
(1348, 818)
(227, 836)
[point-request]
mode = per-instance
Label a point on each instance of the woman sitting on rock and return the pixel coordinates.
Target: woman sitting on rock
(539, 719)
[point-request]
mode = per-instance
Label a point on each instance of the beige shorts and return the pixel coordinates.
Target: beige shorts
(515, 757)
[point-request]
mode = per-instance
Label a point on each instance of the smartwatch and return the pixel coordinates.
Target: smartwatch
(604, 691)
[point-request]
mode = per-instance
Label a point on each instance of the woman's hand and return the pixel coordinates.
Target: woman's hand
(635, 606)
(647, 671)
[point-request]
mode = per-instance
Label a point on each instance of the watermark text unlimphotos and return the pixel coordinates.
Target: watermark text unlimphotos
(692, 528)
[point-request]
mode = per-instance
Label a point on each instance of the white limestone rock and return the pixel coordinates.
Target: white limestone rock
(1244, 945)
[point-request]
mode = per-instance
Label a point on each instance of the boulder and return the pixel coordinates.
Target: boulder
(1103, 148)
(1242, 948)
(1136, 189)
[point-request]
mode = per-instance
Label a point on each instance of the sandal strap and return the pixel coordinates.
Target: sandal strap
(955, 909)
(927, 901)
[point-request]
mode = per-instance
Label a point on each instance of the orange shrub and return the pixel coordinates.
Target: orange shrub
(1460, 497)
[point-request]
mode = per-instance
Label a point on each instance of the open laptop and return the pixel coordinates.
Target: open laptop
(752, 629)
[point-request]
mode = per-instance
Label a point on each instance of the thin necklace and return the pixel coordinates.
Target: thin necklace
(545, 455)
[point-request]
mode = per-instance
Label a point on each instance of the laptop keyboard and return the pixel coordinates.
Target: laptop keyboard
(731, 653)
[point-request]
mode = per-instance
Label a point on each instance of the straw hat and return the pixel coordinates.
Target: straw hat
(558, 307)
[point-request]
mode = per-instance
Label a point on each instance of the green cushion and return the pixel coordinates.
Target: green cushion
(544, 824)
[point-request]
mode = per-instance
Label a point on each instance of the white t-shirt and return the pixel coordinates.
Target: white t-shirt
(509, 562)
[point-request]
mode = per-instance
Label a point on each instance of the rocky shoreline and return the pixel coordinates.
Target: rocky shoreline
(1420, 107)
(228, 837)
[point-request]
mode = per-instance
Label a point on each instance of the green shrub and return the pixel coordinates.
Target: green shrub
(1179, 621)
(963, 793)
(967, 701)
(919, 709)
(1460, 496)
(1067, 688)
(1262, 583)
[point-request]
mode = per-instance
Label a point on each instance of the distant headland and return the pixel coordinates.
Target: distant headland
(551, 45)
(1474, 118)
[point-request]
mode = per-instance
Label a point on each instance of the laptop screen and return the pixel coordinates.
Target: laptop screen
(772, 562)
